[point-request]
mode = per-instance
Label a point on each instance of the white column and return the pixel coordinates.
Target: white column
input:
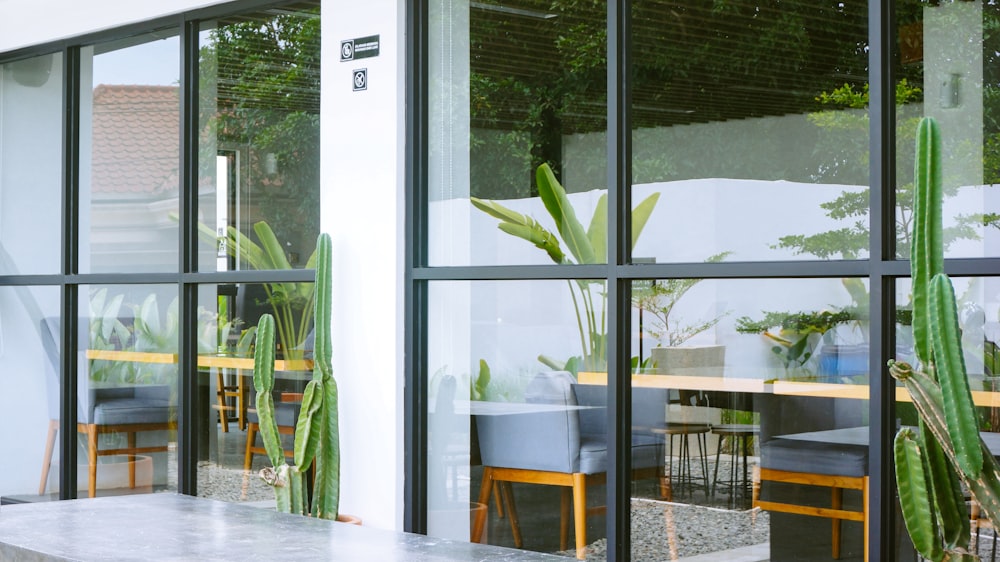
(362, 178)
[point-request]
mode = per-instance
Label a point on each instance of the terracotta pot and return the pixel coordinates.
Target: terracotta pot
(349, 519)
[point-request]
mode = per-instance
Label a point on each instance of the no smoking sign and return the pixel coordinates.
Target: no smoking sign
(360, 78)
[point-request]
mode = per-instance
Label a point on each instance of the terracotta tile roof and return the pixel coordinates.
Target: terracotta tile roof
(135, 140)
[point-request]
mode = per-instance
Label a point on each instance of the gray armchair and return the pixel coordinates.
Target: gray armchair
(561, 446)
(127, 409)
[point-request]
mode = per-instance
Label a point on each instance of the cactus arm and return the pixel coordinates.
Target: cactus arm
(307, 429)
(263, 382)
(322, 355)
(327, 486)
(914, 496)
(947, 489)
(297, 496)
(959, 409)
(926, 251)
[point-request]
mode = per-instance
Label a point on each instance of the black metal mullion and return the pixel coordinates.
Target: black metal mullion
(187, 367)
(882, 249)
(619, 481)
(68, 343)
(415, 391)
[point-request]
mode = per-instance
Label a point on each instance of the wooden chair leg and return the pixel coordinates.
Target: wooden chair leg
(485, 490)
(248, 459)
(50, 443)
(92, 460)
(498, 500)
(864, 509)
(131, 460)
(220, 396)
(515, 525)
(580, 514)
(566, 498)
(836, 502)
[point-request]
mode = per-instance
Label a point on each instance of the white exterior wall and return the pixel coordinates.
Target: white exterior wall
(362, 178)
(362, 138)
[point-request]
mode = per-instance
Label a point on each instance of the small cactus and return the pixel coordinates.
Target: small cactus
(947, 451)
(317, 434)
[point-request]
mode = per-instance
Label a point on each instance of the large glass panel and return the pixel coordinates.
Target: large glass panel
(978, 302)
(947, 69)
(258, 163)
(507, 427)
(29, 396)
(128, 389)
(750, 125)
(749, 408)
(30, 176)
(230, 451)
(129, 155)
(517, 107)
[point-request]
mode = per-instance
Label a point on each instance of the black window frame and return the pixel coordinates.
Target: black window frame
(881, 268)
(186, 278)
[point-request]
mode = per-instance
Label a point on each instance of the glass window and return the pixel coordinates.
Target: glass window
(743, 106)
(29, 399)
(517, 118)
(129, 155)
(947, 70)
(30, 175)
(230, 449)
(128, 389)
(259, 157)
(503, 358)
(743, 390)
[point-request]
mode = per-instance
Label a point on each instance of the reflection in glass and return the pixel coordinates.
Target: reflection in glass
(742, 391)
(129, 177)
(30, 142)
(516, 88)
(947, 69)
(503, 359)
(751, 107)
(229, 445)
(29, 400)
(258, 158)
(128, 389)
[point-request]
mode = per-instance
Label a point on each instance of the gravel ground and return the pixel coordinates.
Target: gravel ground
(671, 531)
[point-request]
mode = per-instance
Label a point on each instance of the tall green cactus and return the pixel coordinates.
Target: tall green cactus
(946, 451)
(317, 434)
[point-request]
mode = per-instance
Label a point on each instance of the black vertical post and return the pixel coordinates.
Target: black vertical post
(187, 358)
(882, 248)
(69, 386)
(618, 294)
(415, 291)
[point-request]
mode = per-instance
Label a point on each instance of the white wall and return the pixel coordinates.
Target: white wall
(31, 22)
(362, 197)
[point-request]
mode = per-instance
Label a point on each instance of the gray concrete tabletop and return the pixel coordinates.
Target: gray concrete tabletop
(171, 527)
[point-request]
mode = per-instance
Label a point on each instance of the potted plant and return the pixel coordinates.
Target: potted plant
(659, 298)
(795, 335)
(585, 246)
(317, 433)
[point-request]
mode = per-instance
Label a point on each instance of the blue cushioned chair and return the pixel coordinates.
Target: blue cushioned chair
(562, 446)
(127, 409)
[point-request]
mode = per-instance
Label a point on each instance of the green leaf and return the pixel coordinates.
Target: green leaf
(598, 230)
(522, 226)
(640, 215)
(557, 203)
